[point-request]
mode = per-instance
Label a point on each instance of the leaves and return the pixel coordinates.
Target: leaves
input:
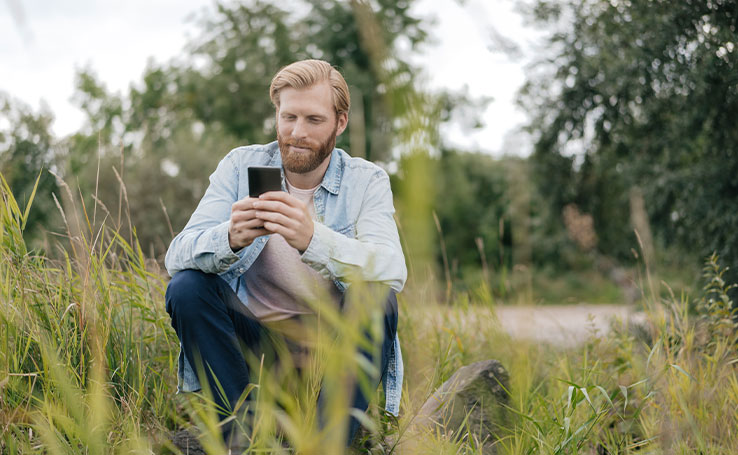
(640, 94)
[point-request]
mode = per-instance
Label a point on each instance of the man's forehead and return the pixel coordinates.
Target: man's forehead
(318, 96)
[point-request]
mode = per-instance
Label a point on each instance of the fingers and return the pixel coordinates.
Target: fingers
(280, 213)
(275, 228)
(245, 226)
(281, 196)
(241, 225)
(245, 221)
(241, 216)
(275, 201)
(239, 238)
(297, 237)
(259, 232)
(276, 207)
(250, 234)
(275, 195)
(276, 217)
(243, 204)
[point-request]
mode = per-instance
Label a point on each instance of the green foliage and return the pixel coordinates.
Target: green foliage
(715, 306)
(80, 351)
(163, 156)
(663, 385)
(26, 156)
(472, 202)
(492, 221)
(640, 94)
(87, 365)
(171, 128)
(88, 357)
(245, 44)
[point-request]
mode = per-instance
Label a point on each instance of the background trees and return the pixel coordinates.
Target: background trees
(26, 154)
(627, 99)
(640, 94)
(172, 128)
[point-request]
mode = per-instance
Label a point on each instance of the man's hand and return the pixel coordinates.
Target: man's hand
(245, 227)
(287, 216)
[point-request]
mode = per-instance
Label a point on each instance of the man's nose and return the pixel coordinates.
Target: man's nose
(300, 129)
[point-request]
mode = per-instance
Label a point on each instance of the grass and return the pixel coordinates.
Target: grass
(88, 365)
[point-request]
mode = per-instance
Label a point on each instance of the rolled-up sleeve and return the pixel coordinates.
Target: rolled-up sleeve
(203, 243)
(375, 255)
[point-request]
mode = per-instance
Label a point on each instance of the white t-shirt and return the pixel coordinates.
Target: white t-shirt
(278, 283)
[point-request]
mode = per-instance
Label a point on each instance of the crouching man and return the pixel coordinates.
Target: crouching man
(244, 266)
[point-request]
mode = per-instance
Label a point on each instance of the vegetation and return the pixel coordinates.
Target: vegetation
(633, 128)
(639, 98)
(173, 126)
(25, 156)
(87, 365)
(164, 135)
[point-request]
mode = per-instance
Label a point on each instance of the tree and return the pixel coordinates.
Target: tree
(186, 114)
(145, 163)
(471, 203)
(640, 93)
(26, 154)
(243, 45)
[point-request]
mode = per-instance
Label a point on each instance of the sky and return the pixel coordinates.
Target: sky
(43, 43)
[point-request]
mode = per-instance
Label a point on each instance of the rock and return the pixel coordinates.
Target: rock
(187, 443)
(470, 404)
(478, 391)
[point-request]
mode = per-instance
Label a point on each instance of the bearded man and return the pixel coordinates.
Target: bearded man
(244, 269)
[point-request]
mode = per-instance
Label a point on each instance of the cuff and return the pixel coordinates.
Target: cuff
(318, 252)
(223, 254)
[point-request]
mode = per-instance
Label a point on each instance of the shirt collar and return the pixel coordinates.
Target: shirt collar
(333, 175)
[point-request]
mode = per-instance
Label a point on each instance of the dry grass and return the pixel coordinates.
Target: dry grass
(88, 365)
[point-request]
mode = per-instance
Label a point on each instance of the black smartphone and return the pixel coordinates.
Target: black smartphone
(263, 179)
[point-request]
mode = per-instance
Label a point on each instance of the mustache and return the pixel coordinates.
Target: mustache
(299, 143)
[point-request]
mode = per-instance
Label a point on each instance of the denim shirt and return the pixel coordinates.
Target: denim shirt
(355, 235)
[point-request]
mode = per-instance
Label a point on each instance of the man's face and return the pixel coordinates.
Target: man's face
(307, 126)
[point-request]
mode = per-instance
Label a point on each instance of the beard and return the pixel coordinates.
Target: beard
(302, 163)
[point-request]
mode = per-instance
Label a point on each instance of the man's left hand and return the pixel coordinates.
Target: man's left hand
(287, 216)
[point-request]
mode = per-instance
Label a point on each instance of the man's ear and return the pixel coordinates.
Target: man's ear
(342, 122)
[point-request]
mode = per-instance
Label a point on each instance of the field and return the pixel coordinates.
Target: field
(88, 365)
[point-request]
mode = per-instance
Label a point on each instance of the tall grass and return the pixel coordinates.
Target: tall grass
(86, 358)
(667, 386)
(88, 365)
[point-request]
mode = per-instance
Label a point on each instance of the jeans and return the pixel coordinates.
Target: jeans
(217, 331)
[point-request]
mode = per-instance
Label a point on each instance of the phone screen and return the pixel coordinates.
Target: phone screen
(263, 179)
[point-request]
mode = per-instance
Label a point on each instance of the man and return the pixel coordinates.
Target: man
(243, 266)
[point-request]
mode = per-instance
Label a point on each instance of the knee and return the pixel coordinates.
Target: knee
(187, 292)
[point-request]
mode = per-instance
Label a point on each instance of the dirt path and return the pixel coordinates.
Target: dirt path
(564, 325)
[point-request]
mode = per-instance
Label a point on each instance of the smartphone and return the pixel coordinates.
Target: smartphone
(263, 179)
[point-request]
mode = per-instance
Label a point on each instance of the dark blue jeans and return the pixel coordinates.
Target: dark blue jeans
(218, 332)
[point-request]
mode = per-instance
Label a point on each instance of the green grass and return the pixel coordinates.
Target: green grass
(88, 365)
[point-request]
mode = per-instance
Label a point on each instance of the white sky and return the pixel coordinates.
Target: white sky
(42, 42)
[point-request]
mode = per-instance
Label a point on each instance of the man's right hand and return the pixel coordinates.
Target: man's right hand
(245, 227)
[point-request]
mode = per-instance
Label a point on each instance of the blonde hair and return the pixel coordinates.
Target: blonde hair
(307, 73)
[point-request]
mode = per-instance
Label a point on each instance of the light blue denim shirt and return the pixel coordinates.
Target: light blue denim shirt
(355, 235)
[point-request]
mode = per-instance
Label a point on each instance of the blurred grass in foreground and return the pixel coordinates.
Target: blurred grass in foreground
(88, 365)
